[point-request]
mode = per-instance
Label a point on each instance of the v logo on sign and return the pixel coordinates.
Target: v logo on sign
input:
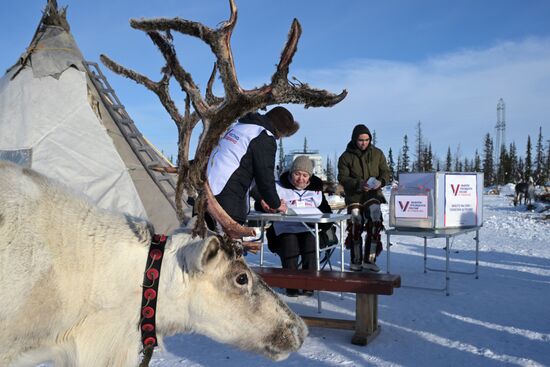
(404, 206)
(455, 190)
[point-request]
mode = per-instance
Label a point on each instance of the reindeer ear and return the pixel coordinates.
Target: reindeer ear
(211, 248)
(195, 254)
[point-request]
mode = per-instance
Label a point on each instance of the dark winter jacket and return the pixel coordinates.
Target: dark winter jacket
(257, 164)
(356, 166)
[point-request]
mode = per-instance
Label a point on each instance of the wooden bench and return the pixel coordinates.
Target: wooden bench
(366, 286)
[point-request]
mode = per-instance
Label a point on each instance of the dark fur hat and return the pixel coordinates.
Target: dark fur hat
(283, 122)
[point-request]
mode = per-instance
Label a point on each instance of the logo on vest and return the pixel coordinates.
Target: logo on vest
(232, 136)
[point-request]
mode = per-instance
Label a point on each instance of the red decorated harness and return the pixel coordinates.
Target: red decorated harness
(149, 296)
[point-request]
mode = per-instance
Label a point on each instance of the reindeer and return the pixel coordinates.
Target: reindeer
(71, 278)
(72, 275)
(525, 191)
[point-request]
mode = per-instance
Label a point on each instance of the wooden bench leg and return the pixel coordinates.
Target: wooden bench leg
(366, 319)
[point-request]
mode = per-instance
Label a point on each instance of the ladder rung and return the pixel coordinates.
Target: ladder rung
(133, 135)
(125, 121)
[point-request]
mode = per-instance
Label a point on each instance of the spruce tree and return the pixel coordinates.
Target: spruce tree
(335, 167)
(391, 165)
(477, 162)
(503, 170)
(449, 161)
(458, 164)
(515, 176)
(399, 163)
(419, 149)
(457, 161)
(428, 158)
(330, 171)
(405, 155)
(539, 160)
(431, 157)
(521, 169)
(488, 167)
(528, 170)
(466, 165)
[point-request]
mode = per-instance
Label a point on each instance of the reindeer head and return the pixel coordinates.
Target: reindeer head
(213, 292)
(215, 113)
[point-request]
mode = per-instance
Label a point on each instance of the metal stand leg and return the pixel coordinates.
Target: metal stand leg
(425, 255)
(447, 253)
(342, 249)
(262, 237)
(317, 246)
(317, 262)
(388, 250)
(477, 254)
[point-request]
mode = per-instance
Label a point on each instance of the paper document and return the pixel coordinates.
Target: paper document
(304, 210)
(373, 182)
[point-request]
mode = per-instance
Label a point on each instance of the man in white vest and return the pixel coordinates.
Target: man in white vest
(246, 154)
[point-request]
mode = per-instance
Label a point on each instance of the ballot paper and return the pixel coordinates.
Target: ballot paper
(372, 182)
(304, 210)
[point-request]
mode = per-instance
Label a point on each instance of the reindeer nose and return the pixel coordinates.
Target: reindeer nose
(298, 331)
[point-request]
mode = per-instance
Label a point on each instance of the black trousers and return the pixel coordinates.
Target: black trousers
(295, 245)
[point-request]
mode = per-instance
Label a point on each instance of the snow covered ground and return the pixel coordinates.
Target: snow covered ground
(502, 318)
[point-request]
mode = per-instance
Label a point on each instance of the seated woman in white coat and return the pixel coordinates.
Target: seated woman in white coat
(300, 190)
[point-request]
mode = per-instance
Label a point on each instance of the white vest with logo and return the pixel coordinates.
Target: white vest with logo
(226, 157)
(295, 199)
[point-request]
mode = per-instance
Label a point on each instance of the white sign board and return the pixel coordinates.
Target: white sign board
(411, 206)
(460, 200)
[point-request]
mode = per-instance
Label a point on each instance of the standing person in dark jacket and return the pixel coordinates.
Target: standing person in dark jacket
(363, 171)
(246, 154)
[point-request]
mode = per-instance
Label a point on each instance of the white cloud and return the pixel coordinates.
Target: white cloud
(454, 95)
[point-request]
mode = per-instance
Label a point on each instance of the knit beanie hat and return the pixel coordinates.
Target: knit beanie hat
(358, 130)
(283, 122)
(302, 163)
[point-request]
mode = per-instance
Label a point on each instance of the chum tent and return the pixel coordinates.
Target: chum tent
(59, 115)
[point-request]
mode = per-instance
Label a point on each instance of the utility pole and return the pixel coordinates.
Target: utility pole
(500, 130)
(500, 136)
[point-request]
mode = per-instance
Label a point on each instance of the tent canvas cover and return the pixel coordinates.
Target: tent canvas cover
(59, 116)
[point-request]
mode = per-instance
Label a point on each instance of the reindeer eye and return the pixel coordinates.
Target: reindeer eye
(242, 279)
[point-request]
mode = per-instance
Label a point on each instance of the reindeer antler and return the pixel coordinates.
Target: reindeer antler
(216, 113)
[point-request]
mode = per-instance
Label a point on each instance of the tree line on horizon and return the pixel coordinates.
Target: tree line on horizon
(509, 167)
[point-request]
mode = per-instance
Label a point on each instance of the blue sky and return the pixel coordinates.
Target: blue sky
(444, 63)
